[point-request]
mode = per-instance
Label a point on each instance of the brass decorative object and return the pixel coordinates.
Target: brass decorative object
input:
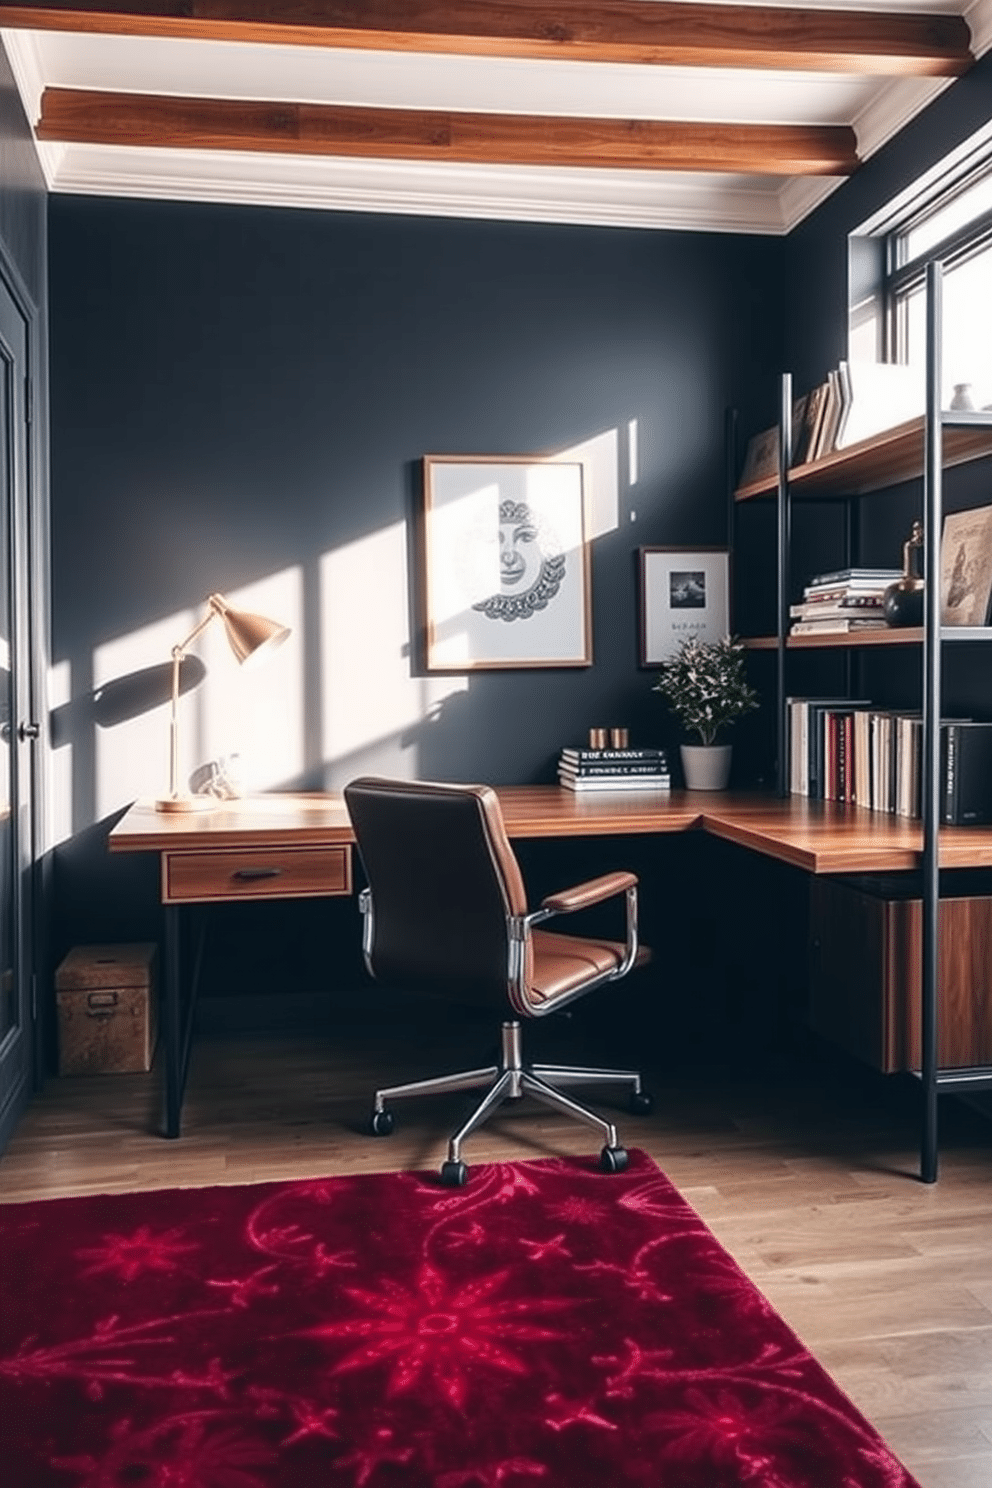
(902, 603)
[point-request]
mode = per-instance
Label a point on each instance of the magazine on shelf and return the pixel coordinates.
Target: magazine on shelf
(839, 625)
(847, 607)
(855, 578)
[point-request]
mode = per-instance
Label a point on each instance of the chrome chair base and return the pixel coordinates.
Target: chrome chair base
(509, 1080)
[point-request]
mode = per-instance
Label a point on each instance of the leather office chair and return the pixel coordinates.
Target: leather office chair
(445, 913)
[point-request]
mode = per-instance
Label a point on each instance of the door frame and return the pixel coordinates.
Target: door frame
(33, 765)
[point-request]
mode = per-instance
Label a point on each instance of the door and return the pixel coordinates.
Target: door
(16, 727)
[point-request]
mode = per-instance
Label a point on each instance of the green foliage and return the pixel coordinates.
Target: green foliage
(705, 685)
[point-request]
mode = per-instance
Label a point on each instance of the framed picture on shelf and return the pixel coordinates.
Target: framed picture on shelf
(761, 459)
(966, 568)
(683, 592)
(504, 563)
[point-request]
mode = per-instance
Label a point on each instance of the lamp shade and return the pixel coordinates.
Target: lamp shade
(250, 635)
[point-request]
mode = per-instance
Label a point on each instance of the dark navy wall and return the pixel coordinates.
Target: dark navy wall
(241, 391)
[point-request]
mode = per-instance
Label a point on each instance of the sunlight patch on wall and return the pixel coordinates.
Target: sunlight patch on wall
(632, 452)
(60, 760)
(369, 693)
(600, 461)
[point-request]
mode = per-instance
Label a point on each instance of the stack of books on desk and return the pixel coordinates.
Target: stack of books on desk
(614, 769)
(846, 600)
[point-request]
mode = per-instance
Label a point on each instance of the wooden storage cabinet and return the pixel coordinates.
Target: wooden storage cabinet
(865, 970)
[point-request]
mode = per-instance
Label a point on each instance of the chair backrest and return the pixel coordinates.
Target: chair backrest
(443, 880)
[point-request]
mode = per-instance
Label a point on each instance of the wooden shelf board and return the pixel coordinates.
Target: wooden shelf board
(883, 460)
(909, 635)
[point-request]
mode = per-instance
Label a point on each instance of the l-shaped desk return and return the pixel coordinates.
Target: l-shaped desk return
(281, 846)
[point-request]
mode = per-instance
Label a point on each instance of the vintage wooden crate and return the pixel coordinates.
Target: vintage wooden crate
(107, 1001)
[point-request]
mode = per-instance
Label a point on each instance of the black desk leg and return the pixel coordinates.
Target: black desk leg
(171, 1036)
(177, 1020)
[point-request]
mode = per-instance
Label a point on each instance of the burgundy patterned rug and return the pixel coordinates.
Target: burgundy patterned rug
(545, 1327)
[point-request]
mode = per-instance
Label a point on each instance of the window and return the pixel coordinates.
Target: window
(954, 226)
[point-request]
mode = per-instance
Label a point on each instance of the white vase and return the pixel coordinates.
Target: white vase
(706, 766)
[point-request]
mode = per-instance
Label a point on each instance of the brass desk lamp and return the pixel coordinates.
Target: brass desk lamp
(251, 637)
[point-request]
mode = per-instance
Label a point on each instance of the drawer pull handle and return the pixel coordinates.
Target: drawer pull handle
(249, 875)
(101, 1004)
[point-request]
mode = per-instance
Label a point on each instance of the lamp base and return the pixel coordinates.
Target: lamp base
(189, 804)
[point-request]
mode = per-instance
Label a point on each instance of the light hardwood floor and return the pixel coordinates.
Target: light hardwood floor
(803, 1167)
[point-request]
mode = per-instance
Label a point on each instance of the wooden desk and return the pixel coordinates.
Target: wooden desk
(299, 846)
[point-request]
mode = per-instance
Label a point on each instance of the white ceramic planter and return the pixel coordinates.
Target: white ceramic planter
(706, 766)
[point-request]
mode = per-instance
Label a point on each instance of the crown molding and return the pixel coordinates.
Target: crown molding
(643, 199)
(978, 17)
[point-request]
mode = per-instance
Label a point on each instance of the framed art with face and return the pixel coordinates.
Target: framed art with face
(684, 592)
(504, 563)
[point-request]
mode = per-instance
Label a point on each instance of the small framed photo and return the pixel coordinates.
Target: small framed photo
(761, 459)
(966, 568)
(684, 592)
(504, 563)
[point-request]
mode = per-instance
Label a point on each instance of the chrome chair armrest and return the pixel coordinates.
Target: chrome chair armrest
(569, 901)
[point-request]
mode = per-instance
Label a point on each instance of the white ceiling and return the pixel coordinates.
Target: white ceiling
(876, 107)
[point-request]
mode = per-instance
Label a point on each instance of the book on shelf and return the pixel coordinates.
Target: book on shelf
(831, 417)
(806, 740)
(805, 439)
(967, 778)
(846, 398)
(851, 751)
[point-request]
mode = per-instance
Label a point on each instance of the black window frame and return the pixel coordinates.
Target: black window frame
(903, 275)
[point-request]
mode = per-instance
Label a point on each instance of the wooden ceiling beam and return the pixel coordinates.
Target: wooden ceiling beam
(635, 31)
(72, 115)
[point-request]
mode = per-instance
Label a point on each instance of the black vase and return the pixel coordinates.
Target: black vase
(902, 602)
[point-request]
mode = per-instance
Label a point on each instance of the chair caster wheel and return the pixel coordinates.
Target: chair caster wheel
(641, 1104)
(381, 1123)
(613, 1159)
(454, 1174)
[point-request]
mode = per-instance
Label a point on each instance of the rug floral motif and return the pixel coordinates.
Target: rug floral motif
(547, 1326)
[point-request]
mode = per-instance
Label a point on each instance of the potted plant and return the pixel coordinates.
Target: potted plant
(707, 690)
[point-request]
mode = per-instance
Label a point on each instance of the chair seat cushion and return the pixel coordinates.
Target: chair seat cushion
(564, 962)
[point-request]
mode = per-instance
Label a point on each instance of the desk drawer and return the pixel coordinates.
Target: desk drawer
(255, 873)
